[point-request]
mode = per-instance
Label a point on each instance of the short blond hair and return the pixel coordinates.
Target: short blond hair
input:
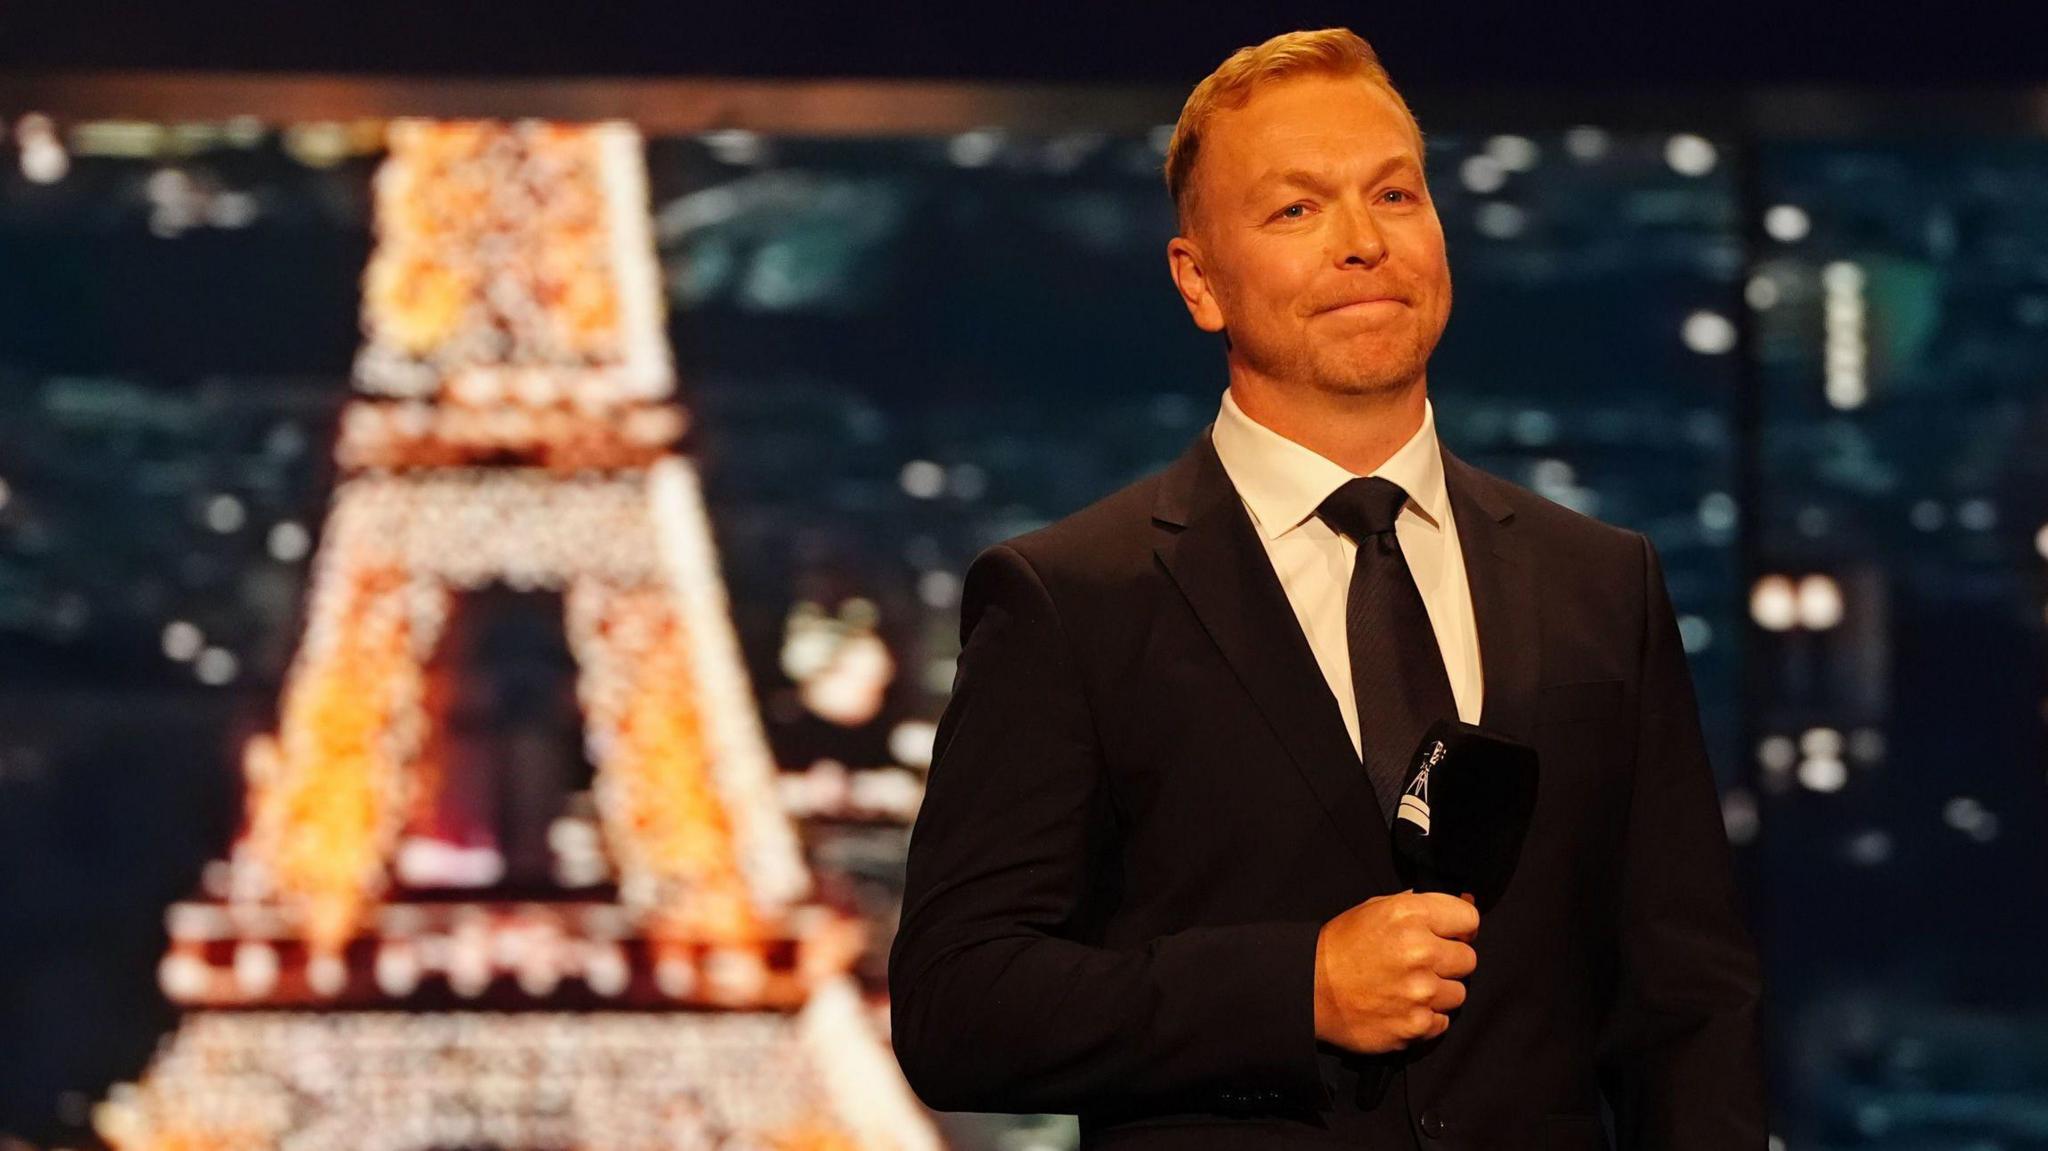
(1323, 52)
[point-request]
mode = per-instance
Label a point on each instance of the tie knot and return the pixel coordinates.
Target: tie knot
(1363, 507)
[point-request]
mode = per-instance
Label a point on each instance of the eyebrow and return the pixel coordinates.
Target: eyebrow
(1315, 182)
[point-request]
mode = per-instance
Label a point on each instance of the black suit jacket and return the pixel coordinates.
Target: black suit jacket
(1143, 806)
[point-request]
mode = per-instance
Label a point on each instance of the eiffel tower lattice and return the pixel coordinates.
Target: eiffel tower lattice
(513, 423)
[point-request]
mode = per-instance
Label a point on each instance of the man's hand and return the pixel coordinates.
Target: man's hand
(1388, 969)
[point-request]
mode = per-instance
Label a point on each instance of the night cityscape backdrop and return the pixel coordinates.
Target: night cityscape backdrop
(1811, 368)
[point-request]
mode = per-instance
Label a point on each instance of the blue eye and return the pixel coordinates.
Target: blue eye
(1290, 211)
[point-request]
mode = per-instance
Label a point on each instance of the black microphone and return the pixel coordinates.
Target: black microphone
(1465, 805)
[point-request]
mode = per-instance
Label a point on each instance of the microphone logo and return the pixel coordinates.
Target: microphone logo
(1415, 798)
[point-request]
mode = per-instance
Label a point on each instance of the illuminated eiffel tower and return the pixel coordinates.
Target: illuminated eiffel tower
(514, 424)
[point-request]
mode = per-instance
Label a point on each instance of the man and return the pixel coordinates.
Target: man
(1152, 881)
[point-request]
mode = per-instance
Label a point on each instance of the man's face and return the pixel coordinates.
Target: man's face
(1313, 239)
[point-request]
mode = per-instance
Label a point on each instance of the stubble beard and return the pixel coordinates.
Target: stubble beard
(1344, 373)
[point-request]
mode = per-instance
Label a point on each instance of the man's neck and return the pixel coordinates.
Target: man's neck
(1358, 433)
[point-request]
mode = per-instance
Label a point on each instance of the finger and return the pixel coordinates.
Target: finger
(1473, 901)
(1455, 960)
(1438, 1024)
(1450, 995)
(1449, 917)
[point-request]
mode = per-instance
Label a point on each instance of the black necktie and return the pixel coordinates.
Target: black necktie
(1397, 670)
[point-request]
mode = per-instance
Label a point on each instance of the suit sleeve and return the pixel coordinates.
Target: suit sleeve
(1681, 1058)
(997, 1001)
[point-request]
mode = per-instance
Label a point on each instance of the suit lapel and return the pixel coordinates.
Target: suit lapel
(1504, 605)
(1206, 541)
(1210, 548)
(1506, 609)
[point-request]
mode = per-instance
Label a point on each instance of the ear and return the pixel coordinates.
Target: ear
(1184, 263)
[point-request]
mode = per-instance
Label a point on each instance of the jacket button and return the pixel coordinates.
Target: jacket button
(1432, 1124)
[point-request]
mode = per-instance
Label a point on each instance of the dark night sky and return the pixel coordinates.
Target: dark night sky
(1427, 44)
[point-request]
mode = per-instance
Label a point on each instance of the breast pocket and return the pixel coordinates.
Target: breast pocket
(1582, 742)
(1590, 700)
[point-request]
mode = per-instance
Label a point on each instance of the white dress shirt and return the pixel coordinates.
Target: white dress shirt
(1282, 483)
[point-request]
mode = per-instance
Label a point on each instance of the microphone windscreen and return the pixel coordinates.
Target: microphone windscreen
(1466, 799)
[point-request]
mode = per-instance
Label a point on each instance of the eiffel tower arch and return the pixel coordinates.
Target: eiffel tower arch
(513, 423)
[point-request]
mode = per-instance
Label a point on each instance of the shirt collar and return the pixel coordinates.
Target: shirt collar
(1283, 483)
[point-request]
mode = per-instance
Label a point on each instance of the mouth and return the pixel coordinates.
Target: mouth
(1369, 306)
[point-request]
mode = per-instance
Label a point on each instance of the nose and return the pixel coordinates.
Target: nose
(1358, 238)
